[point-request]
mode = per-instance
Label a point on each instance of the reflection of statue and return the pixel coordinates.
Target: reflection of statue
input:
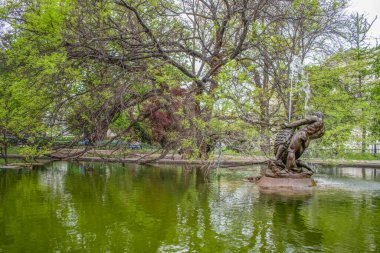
(290, 145)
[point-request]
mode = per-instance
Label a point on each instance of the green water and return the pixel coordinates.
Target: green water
(68, 207)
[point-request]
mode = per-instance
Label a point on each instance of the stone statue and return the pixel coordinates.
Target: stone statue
(290, 144)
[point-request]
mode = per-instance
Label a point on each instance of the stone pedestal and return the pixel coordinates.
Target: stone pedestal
(283, 182)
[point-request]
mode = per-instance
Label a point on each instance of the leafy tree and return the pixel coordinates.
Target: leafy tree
(357, 35)
(31, 59)
(182, 74)
(22, 115)
(350, 105)
(261, 89)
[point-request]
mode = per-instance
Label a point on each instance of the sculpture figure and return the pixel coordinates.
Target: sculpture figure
(290, 144)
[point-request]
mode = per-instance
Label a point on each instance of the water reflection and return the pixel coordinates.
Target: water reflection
(348, 178)
(113, 208)
(290, 230)
(353, 172)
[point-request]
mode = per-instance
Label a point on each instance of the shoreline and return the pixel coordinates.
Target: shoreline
(243, 161)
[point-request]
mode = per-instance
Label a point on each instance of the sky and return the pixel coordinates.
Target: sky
(371, 8)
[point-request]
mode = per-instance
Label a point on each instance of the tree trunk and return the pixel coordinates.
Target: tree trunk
(264, 111)
(264, 126)
(364, 139)
(4, 153)
(4, 149)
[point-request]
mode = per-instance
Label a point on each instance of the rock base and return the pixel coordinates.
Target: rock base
(290, 183)
(276, 169)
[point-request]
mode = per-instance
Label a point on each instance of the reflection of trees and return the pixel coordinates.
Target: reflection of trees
(221, 220)
(243, 219)
(98, 208)
(26, 220)
(368, 174)
(135, 209)
(289, 229)
(349, 221)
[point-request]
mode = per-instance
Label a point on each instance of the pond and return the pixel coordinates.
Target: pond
(84, 207)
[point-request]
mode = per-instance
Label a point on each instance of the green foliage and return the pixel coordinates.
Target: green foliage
(83, 68)
(343, 88)
(31, 64)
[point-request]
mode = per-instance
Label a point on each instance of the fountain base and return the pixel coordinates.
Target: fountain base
(285, 182)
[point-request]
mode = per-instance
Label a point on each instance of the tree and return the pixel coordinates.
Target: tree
(262, 90)
(22, 115)
(350, 107)
(197, 38)
(357, 37)
(182, 74)
(31, 59)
